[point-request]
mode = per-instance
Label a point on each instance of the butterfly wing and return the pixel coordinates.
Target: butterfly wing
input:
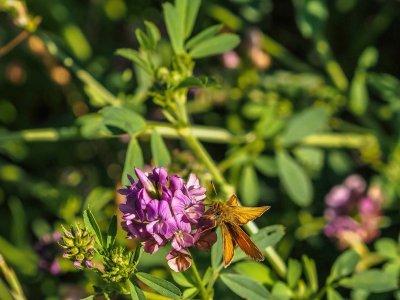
(243, 214)
(244, 242)
(228, 243)
(232, 201)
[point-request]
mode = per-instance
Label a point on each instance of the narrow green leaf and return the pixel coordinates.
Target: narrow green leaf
(294, 179)
(294, 272)
(144, 41)
(136, 292)
(368, 58)
(266, 165)
(135, 258)
(245, 287)
(333, 294)
(190, 293)
(344, 265)
(373, 280)
(216, 251)
(91, 224)
(203, 35)
(309, 121)
(123, 119)
(256, 271)
(18, 228)
(215, 45)
(159, 150)
(388, 248)
(161, 286)
(153, 33)
(182, 278)
(175, 30)
(207, 276)
(358, 98)
(311, 273)
(98, 198)
(135, 57)
(112, 232)
(191, 15)
(249, 186)
(134, 158)
(266, 237)
(91, 297)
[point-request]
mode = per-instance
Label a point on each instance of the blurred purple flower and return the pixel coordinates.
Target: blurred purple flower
(352, 212)
(49, 253)
(162, 209)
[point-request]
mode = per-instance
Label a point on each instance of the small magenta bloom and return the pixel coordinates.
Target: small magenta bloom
(352, 212)
(162, 209)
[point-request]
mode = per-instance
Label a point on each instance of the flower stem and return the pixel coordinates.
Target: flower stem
(200, 285)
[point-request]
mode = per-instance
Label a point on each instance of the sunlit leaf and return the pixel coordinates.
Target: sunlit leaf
(249, 187)
(203, 35)
(174, 28)
(216, 251)
(373, 280)
(93, 226)
(135, 57)
(245, 287)
(112, 232)
(136, 292)
(159, 150)
(123, 119)
(294, 179)
(134, 158)
(311, 273)
(294, 272)
(309, 121)
(256, 271)
(161, 286)
(215, 45)
(344, 265)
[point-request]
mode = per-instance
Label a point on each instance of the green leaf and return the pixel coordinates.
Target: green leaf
(202, 36)
(309, 121)
(91, 297)
(191, 15)
(256, 271)
(310, 16)
(159, 150)
(137, 254)
(135, 57)
(310, 157)
(216, 250)
(161, 286)
(333, 294)
(249, 186)
(215, 45)
(344, 265)
(266, 237)
(197, 82)
(174, 28)
(144, 41)
(388, 248)
(311, 273)
(281, 291)
(190, 293)
(123, 119)
(266, 165)
(112, 232)
(98, 198)
(294, 179)
(182, 279)
(136, 292)
(373, 280)
(153, 33)
(294, 272)
(358, 98)
(134, 158)
(91, 224)
(245, 287)
(368, 58)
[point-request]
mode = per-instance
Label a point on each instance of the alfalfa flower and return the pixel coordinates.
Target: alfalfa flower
(49, 253)
(353, 212)
(78, 244)
(162, 209)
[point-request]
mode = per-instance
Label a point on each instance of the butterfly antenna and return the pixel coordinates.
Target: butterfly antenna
(215, 190)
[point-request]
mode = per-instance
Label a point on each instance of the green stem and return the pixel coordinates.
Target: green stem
(200, 285)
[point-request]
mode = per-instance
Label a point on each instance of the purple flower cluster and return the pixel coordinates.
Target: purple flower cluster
(160, 209)
(352, 212)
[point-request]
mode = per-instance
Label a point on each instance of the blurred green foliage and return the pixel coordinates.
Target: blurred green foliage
(311, 96)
